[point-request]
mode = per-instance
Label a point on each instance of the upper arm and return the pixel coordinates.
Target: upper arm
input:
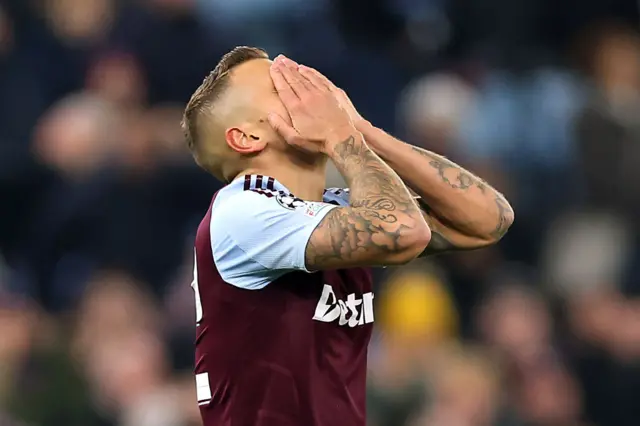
(342, 230)
(258, 236)
(359, 236)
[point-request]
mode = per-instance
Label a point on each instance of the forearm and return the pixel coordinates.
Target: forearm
(382, 225)
(455, 196)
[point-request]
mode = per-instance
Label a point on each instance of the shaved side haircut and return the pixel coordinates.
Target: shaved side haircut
(211, 89)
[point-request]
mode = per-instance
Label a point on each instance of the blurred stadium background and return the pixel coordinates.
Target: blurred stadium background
(99, 202)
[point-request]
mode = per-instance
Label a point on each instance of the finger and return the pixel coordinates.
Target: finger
(289, 63)
(284, 89)
(296, 81)
(291, 73)
(283, 128)
(319, 77)
(313, 78)
(286, 61)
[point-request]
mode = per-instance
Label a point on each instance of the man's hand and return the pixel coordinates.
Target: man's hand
(461, 215)
(318, 119)
(340, 95)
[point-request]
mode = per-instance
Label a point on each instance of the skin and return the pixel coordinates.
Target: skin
(383, 225)
(463, 211)
(250, 144)
(290, 129)
(285, 120)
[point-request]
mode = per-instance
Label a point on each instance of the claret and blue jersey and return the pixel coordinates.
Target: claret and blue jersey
(276, 344)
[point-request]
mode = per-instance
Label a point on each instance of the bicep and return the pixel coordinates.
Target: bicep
(350, 237)
(257, 237)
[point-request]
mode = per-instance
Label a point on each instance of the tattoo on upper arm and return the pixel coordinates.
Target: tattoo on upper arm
(382, 211)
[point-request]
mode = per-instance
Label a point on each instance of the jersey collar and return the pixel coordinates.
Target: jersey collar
(261, 182)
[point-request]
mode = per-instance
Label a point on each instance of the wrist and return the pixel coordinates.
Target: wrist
(374, 137)
(339, 136)
(363, 125)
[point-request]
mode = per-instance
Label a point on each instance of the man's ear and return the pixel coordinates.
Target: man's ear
(244, 142)
(246, 139)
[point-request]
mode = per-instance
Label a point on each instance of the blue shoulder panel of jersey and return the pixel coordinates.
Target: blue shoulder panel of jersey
(259, 235)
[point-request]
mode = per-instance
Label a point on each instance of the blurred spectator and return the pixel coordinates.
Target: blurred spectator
(416, 317)
(118, 343)
(586, 252)
(79, 22)
(78, 135)
(433, 110)
(100, 199)
(608, 129)
(516, 323)
(605, 334)
(465, 390)
(117, 78)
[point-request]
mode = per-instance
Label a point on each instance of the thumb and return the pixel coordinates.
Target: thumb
(283, 128)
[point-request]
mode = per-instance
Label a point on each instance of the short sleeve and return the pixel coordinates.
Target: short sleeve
(336, 196)
(257, 236)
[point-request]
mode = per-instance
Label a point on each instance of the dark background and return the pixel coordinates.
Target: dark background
(99, 202)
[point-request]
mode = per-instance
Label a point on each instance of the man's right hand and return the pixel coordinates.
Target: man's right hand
(318, 120)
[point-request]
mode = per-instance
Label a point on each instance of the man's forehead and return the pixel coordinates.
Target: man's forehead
(253, 73)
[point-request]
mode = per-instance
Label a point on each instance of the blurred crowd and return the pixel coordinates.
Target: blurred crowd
(100, 201)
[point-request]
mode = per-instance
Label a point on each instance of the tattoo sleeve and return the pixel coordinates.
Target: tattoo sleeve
(464, 181)
(473, 216)
(439, 243)
(451, 173)
(381, 222)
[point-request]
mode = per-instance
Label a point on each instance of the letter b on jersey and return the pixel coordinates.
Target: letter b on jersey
(351, 312)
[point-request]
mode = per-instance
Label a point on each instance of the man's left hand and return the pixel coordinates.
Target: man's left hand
(340, 95)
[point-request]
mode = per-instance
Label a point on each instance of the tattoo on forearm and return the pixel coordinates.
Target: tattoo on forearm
(505, 217)
(382, 212)
(463, 179)
(438, 243)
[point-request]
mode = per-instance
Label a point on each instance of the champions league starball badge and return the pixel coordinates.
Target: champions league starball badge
(290, 202)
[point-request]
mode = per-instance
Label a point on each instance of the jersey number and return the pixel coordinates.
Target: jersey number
(194, 284)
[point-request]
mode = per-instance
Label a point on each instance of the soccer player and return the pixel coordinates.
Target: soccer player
(284, 302)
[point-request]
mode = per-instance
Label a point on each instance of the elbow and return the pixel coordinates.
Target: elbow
(420, 241)
(413, 245)
(505, 220)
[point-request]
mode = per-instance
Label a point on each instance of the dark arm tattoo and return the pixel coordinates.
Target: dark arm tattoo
(438, 243)
(463, 179)
(381, 219)
(459, 178)
(505, 217)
